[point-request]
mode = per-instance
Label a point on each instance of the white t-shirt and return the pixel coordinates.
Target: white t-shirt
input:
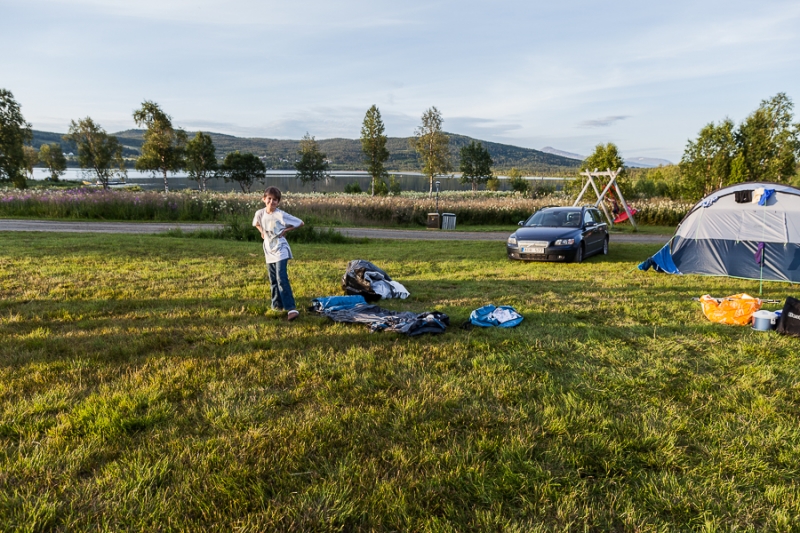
(275, 249)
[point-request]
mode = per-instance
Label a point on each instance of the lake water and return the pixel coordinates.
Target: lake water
(285, 181)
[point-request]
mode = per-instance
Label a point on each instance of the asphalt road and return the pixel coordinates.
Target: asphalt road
(372, 233)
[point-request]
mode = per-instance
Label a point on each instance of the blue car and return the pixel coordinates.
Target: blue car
(559, 234)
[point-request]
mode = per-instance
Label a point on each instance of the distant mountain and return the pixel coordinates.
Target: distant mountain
(634, 162)
(506, 156)
(647, 162)
(346, 154)
(562, 153)
(130, 148)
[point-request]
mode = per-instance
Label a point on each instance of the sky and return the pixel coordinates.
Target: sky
(569, 74)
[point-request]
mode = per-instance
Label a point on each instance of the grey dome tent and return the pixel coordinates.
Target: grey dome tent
(747, 230)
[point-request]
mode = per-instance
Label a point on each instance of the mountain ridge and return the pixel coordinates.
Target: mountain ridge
(634, 162)
(345, 154)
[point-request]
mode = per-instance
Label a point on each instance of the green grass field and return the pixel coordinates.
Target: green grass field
(146, 386)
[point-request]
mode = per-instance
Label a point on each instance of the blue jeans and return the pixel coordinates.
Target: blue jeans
(282, 297)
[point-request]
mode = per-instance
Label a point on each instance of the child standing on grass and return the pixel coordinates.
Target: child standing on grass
(273, 224)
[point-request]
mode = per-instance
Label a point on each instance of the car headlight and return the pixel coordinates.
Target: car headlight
(512, 240)
(564, 242)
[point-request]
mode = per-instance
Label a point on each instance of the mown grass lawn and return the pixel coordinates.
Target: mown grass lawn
(144, 385)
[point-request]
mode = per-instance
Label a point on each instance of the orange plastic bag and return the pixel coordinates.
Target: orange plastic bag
(736, 310)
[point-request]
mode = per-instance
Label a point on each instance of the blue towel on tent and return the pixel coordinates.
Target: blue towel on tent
(487, 316)
(766, 196)
(661, 261)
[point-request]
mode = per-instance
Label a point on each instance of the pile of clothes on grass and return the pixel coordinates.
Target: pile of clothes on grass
(364, 283)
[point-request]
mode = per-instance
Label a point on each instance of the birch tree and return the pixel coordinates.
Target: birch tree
(312, 165)
(52, 156)
(373, 144)
(476, 165)
(201, 159)
(432, 145)
(98, 151)
(163, 147)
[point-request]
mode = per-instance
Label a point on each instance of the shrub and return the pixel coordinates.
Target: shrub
(394, 185)
(353, 188)
(310, 234)
(381, 189)
(540, 189)
(241, 229)
(518, 184)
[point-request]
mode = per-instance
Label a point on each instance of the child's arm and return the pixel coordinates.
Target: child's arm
(259, 228)
(287, 229)
(257, 224)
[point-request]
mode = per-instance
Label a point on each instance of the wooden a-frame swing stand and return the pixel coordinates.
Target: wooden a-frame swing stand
(612, 182)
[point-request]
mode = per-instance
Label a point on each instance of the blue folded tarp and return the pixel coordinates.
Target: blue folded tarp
(355, 309)
(336, 303)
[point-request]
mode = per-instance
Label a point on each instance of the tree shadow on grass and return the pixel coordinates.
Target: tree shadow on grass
(464, 421)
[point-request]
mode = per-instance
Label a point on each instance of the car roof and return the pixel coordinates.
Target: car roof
(563, 208)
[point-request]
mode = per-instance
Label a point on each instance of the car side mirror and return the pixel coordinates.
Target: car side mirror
(590, 224)
(521, 223)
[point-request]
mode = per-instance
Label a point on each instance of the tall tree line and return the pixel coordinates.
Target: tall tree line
(764, 147)
(167, 149)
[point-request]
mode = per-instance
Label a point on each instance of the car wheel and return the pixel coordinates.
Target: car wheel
(578, 254)
(605, 246)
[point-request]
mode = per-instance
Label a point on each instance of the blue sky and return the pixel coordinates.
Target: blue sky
(571, 74)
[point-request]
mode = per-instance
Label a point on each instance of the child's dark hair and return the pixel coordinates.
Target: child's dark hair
(274, 192)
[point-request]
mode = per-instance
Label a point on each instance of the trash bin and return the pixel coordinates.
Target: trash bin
(448, 221)
(433, 221)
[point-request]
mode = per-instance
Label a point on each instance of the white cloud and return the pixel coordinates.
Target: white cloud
(602, 122)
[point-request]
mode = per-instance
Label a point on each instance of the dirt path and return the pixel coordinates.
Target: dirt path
(372, 233)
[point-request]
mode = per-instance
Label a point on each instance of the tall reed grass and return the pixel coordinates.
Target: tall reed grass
(407, 209)
(91, 203)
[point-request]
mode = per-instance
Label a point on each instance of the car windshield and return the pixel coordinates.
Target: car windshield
(555, 219)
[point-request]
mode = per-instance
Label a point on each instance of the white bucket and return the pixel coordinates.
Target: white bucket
(764, 320)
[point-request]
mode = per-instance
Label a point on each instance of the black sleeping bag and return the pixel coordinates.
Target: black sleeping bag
(354, 282)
